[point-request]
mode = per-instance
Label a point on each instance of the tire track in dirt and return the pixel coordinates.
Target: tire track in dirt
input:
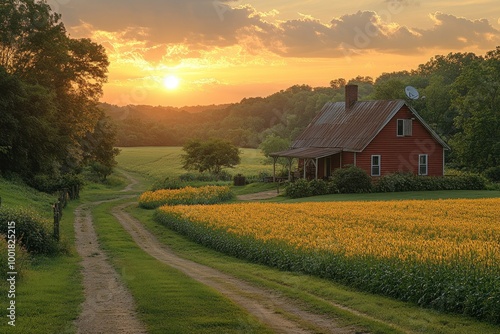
(108, 307)
(269, 307)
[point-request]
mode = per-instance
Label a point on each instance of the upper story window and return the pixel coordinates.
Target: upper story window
(405, 127)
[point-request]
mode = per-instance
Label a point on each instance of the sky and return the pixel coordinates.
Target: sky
(201, 52)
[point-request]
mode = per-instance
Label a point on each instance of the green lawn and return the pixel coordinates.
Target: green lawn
(162, 162)
(18, 195)
(418, 195)
(49, 294)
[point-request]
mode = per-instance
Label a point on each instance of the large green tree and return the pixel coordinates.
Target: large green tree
(477, 100)
(63, 74)
(210, 155)
(28, 138)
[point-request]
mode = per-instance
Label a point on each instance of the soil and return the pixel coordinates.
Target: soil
(110, 308)
(259, 196)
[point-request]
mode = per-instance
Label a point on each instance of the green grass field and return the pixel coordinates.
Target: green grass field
(49, 293)
(162, 162)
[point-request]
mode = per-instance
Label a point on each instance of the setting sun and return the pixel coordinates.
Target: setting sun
(171, 82)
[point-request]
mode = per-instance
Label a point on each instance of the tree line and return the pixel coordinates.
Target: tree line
(460, 99)
(51, 124)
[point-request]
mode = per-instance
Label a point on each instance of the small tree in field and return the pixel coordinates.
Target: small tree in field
(211, 155)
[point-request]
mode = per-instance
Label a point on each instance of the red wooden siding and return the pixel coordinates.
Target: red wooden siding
(401, 153)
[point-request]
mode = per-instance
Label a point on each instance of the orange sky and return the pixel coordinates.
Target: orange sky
(224, 50)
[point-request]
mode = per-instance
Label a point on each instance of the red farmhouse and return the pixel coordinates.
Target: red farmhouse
(381, 137)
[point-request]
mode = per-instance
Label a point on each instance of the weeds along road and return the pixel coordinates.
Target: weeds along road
(111, 309)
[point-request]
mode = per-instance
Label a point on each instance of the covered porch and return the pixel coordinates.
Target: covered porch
(310, 159)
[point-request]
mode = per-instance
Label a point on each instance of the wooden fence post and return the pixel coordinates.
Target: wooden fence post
(57, 209)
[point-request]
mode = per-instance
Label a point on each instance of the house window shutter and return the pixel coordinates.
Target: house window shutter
(408, 127)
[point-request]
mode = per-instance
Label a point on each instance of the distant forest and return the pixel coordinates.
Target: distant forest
(460, 99)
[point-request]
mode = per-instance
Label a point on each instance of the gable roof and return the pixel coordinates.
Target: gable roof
(355, 128)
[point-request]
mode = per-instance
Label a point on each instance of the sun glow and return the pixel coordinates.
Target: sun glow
(171, 82)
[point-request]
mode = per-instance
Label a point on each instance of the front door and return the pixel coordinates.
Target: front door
(328, 167)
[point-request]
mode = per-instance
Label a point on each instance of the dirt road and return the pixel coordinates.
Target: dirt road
(110, 308)
(267, 306)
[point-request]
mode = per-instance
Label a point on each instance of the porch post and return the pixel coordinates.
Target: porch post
(290, 169)
(305, 163)
(317, 162)
(275, 159)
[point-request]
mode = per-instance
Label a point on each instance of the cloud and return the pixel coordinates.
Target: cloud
(458, 32)
(366, 31)
(204, 22)
(155, 27)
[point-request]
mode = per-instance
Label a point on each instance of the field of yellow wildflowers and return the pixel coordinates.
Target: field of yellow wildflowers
(185, 196)
(443, 254)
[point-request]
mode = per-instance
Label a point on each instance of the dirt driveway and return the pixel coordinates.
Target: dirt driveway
(110, 308)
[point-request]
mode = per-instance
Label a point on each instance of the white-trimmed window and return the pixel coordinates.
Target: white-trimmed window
(404, 127)
(423, 164)
(376, 165)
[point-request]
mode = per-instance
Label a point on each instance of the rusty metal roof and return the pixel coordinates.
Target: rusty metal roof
(335, 129)
(308, 152)
(352, 129)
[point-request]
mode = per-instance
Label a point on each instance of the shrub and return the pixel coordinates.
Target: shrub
(318, 187)
(493, 174)
(303, 188)
(21, 257)
(50, 184)
(396, 182)
(32, 231)
(352, 179)
(168, 183)
(206, 177)
(298, 189)
(408, 182)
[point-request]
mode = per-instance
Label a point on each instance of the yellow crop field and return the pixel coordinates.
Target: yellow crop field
(439, 253)
(436, 231)
(186, 195)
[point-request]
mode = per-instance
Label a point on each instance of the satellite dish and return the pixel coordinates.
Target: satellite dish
(412, 93)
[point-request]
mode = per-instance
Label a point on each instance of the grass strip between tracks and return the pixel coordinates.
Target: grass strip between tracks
(168, 301)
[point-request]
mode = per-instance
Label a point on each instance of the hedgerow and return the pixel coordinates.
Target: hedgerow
(409, 182)
(32, 231)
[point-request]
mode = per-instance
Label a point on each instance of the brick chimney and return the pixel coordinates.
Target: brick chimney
(351, 96)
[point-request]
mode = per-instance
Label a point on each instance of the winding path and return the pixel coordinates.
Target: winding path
(267, 306)
(110, 308)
